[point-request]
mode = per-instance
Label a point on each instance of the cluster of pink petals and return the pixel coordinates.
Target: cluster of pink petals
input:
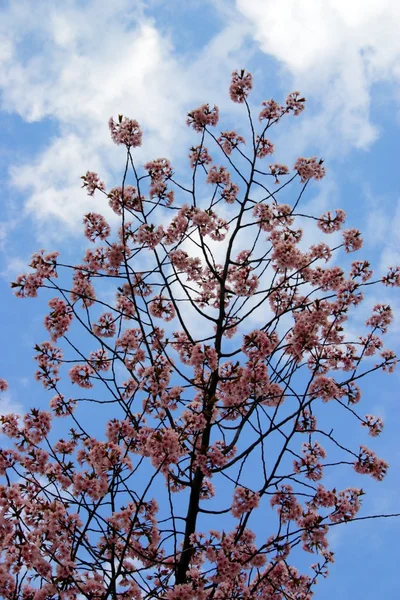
(82, 288)
(96, 227)
(241, 86)
(381, 317)
(310, 461)
(149, 235)
(91, 182)
(125, 198)
(229, 140)
(295, 103)
(244, 500)
(199, 155)
(309, 168)
(126, 132)
(48, 358)
(202, 116)
(264, 147)
(58, 321)
(390, 360)
(374, 424)
(278, 169)
(271, 111)
(105, 326)
(45, 264)
(392, 278)
(230, 193)
(162, 308)
(218, 175)
(328, 223)
(352, 240)
(369, 464)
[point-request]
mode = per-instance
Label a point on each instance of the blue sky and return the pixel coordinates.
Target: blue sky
(65, 68)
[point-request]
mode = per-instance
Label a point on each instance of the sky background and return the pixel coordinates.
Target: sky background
(66, 67)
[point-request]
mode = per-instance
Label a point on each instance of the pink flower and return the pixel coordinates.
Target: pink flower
(264, 147)
(272, 111)
(96, 227)
(199, 156)
(58, 321)
(159, 169)
(241, 86)
(162, 308)
(352, 240)
(329, 224)
(277, 169)
(368, 463)
(200, 117)
(125, 198)
(392, 278)
(105, 326)
(374, 424)
(149, 235)
(91, 182)
(308, 168)
(229, 140)
(244, 500)
(218, 175)
(295, 103)
(230, 193)
(381, 317)
(81, 374)
(126, 132)
(3, 385)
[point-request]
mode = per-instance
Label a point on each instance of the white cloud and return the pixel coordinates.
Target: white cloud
(335, 51)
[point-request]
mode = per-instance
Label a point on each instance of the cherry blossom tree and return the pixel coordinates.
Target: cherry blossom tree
(208, 342)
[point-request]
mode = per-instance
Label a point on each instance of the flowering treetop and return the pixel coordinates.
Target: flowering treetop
(231, 421)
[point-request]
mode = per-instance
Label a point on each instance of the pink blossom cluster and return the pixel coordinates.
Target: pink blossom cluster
(45, 266)
(244, 500)
(241, 86)
(149, 235)
(381, 317)
(374, 424)
(328, 224)
(278, 169)
(368, 463)
(199, 155)
(162, 308)
(202, 116)
(352, 240)
(125, 198)
(82, 288)
(92, 182)
(105, 326)
(126, 132)
(264, 147)
(272, 111)
(289, 508)
(392, 278)
(229, 140)
(310, 462)
(270, 216)
(48, 358)
(243, 281)
(309, 168)
(59, 320)
(230, 193)
(218, 175)
(295, 103)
